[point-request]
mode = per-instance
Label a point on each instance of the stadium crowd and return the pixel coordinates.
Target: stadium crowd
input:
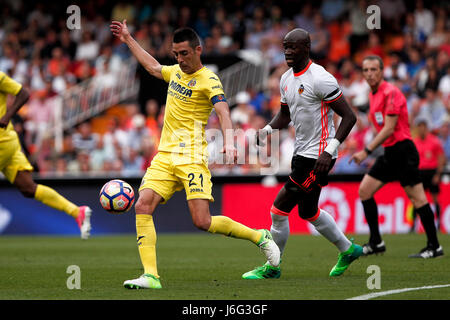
(38, 50)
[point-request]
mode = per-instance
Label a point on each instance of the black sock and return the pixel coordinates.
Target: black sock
(438, 214)
(427, 218)
(371, 213)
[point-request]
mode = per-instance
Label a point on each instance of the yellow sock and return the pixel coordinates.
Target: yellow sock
(53, 199)
(226, 226)
(146, 238)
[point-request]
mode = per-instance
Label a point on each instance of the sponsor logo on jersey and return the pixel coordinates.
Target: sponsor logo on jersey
(214, 78)
(178, 76)
(180, 89)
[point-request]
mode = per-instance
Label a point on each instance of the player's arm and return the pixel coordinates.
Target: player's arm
(387, 130)
(282, 118)
(21, 98)
(280, 121)
(223, 113)
(342, 109)
(120, 30)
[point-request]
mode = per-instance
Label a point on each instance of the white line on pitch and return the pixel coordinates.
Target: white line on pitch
(386, 293)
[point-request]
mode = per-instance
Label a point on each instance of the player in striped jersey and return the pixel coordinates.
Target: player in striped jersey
(309, 97)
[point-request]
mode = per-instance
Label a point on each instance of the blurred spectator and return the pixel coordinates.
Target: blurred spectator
(432, 109)
(320, 39)
(392, 12)
(444, 85)
(305, 19)
(84, 139)
(424, 19)
(358, 21)
(416, 62)
(342, 165)
(242, 112)
(88, 49)
(396, 69)
(123, 11)
(332, 9)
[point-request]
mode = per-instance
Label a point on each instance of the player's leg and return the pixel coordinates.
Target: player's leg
(367, 189)
(325, 224)
(437, 209)
(146, 239)
(419, 200)
(158, 185)
(434, 191)
(203, 220)
(24, 182)
(284, 202)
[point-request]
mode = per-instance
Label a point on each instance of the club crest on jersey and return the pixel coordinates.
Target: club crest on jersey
(192, 83)
(301, 89)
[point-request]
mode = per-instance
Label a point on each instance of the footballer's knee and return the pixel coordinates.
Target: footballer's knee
(419, 201)
(27, 190)
(202, 222)
(365, 193)
(141, 207)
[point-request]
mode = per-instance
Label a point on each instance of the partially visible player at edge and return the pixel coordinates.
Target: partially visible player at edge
(16, 167)
(400, 161)
(309, 97)
(181, 160)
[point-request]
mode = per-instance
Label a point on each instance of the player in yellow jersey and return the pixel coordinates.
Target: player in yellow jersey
(181, 161)
(15, 166)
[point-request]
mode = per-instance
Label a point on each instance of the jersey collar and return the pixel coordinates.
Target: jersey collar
(297, 74)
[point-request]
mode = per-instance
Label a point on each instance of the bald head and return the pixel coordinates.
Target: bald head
(297, 44)
(299, 36)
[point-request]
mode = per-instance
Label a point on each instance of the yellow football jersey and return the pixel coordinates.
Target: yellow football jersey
(7, 86)
(188, 106)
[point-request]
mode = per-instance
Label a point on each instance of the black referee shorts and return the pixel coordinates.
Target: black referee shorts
(399, 162)
(427, 180)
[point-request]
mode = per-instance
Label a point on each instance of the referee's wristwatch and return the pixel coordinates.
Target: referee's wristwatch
(367, 150)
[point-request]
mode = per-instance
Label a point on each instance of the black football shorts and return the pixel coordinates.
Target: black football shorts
(399, 162)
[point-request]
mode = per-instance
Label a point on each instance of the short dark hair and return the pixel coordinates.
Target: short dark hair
(375, 57)
(186, 34)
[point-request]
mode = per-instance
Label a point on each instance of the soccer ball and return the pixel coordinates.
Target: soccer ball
(116, 196)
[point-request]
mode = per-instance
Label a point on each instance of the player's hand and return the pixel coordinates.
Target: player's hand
(3, 122)
(261, 137)
(230, 154)
(436, 178)
(323, 163)
(358, 157)
(120, 29)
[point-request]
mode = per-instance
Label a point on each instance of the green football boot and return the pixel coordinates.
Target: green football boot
(266, 271)
(146, 281)
(345, 258)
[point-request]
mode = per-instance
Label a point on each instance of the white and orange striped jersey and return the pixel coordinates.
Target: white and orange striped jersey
(307, 94)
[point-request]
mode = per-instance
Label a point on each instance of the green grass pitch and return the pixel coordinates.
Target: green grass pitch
(203, 266)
